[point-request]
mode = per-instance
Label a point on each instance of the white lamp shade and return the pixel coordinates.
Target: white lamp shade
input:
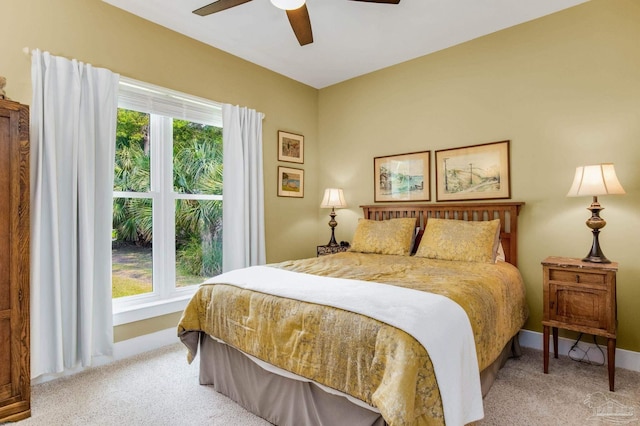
(333, 198)
(288, 4)
(599, 179)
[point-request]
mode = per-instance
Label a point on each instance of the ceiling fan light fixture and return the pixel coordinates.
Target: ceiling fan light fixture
(288, 4)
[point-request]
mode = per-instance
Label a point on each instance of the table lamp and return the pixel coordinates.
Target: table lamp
(594, 180)
(333, 199)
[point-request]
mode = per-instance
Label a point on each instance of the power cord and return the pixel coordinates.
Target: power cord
(576, 353)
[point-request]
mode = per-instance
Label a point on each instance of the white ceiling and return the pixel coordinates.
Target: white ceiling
(351, 38)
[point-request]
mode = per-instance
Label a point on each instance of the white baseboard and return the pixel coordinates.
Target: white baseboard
(148, 342)
(122, 350)
(624, 358)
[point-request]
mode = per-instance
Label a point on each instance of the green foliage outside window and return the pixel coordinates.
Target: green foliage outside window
(197, 169)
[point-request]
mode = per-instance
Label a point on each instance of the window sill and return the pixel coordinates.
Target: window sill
(143, 311)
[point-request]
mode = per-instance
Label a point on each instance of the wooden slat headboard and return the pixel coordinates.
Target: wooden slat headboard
(506, 212)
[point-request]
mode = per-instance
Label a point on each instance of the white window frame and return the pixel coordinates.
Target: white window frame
(163, 105)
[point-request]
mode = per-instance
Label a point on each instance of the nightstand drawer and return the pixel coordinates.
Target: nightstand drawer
(572, 276)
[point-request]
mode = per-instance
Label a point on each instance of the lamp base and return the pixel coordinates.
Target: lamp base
(596, 255)
(596, 259)
(332, 225)
(332, 242)
(595, 222)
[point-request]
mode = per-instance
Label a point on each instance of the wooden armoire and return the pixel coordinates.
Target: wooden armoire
(15, 375)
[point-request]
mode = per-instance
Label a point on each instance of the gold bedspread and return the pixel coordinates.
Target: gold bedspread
(374, 362)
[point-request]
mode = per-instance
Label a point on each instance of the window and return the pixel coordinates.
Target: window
(167, 201)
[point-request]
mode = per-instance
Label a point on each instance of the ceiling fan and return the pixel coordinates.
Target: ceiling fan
(296, 12)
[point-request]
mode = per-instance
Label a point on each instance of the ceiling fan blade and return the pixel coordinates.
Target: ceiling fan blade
(301, 24)
(380, 1)
(218, 6)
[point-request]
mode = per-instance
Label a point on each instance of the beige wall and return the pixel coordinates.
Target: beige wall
(565, 89)
(97, 33)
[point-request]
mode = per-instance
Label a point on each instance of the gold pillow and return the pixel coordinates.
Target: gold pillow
(393, 236)
(449, 239)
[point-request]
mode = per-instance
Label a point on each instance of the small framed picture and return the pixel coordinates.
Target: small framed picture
(402, 177)
(290, 147)
(290, 182)
(477, 172)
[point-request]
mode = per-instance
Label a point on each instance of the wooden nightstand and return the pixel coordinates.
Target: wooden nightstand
(324, 250)
(580, 296)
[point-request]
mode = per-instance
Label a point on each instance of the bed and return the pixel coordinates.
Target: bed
(408, 327)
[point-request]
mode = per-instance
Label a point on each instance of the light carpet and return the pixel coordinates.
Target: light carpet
(160, 388)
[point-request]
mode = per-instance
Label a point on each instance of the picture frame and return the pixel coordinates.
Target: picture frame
(290, 147)
(290, 182)
(402, 177)
(476, 172)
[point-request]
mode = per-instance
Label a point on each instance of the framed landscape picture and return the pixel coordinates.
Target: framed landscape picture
(478, 172)
(290, 182)
(402, 177)
(290, 147)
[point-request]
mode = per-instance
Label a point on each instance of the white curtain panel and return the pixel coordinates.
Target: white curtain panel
(243, 189)
(73, 124)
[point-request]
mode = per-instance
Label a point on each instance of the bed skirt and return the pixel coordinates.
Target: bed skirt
(285, 401)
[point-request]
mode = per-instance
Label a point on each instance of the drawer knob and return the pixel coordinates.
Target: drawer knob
(577, 278)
